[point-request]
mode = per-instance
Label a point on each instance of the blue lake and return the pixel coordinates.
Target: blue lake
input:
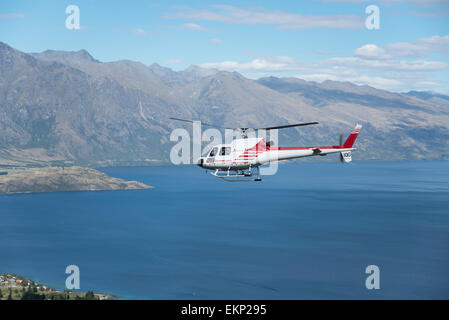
(307, 232)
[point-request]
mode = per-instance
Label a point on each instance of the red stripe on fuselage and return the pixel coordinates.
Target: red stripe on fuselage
(304, 148)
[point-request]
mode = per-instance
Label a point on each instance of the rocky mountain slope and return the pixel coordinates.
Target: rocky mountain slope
(58, 106)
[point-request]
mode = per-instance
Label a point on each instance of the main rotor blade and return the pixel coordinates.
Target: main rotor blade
(203, 123)
(250, 129)
(289, 126)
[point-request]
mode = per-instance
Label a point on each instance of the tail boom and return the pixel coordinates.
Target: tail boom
(285, 153)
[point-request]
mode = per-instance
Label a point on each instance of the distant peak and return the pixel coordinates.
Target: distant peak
(270, 78)
(4, 47)
(86, 55)
(418, 92)
(62, 56)
(160, 70)
(155, 65)
(425, 95)
(199, 71)
(192, 68)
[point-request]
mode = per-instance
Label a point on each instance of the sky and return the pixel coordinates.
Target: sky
(315, 40)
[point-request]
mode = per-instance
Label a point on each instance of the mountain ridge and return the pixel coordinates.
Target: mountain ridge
(70, 107)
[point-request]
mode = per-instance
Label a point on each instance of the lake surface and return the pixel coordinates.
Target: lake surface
(307, 232)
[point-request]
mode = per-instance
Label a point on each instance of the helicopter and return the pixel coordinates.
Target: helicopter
(235, 161)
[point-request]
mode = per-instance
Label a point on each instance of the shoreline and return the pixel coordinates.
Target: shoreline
(15, 287)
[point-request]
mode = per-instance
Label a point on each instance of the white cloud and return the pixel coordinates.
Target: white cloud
(377, 82)
(280, 19)
(421, 14)
(392, 64)
(370, 64)
(12, 15)
(255, 65)
(419, 48)
(193, 26)
(140, 32)
(320, 71)
(371, 51)
(216, 40)
(338, 64)
(427, 84)
(284, 59)
(387, 2)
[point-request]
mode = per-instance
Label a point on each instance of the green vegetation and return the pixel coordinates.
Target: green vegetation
(13, 287)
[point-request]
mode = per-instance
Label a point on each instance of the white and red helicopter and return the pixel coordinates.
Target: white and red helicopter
(235, 161)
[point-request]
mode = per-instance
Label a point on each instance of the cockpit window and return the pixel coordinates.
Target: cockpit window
(213, 152)
(225, 151)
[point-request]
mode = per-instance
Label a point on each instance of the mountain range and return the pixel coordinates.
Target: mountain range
(68, 107)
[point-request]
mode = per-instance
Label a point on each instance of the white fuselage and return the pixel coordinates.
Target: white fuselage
(246, 153)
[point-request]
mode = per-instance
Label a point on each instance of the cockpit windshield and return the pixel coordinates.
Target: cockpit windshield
(225, 151)
(213, 152)
(219, 151)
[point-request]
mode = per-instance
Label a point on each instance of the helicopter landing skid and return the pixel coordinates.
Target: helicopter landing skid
(238, 175)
